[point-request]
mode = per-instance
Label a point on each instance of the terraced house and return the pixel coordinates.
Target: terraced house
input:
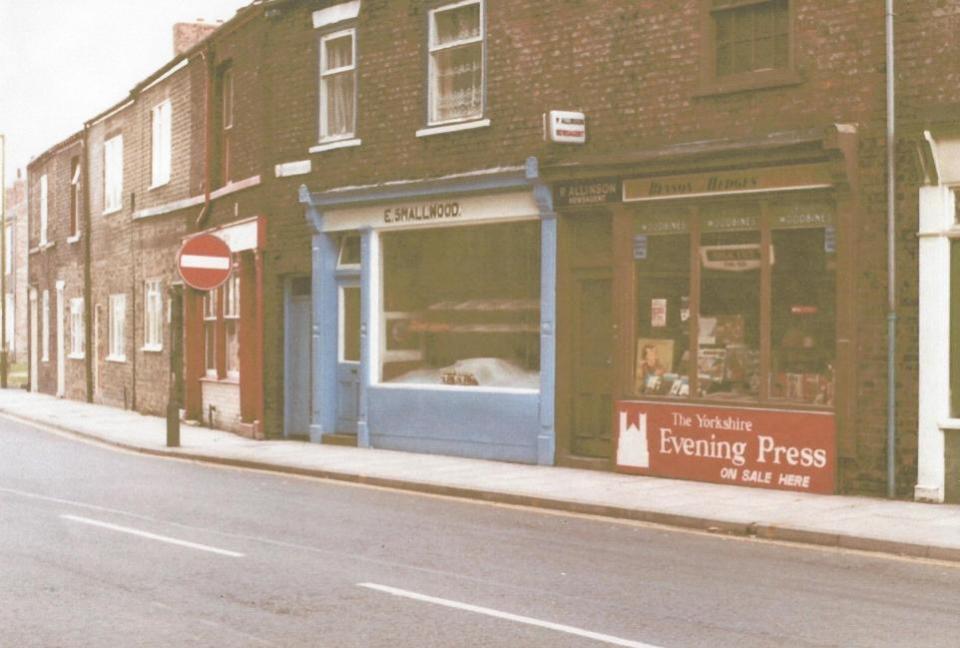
(641, 237)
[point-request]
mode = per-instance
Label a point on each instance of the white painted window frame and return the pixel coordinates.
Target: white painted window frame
(325, 74)
(113, 174)
(433, 50)
(153, 315)
(161, 121)
(116, 343)
(78, 339)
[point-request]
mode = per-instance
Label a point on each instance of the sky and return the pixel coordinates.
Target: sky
(65, 61)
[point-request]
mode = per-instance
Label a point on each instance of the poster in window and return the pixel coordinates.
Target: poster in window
(658, 313)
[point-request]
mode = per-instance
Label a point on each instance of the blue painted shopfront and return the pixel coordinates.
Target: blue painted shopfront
(448, 412)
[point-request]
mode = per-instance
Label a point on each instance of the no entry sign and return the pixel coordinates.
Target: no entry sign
(204, 262)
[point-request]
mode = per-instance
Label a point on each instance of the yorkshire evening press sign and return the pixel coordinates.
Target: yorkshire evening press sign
(763, 448)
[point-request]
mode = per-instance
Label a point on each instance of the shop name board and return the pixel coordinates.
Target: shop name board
(762, 448)
(594, 192)
(801, 176)
(425, 212)
(566, 127)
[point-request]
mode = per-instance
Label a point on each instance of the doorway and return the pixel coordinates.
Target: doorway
(298, 356)
(348, 354)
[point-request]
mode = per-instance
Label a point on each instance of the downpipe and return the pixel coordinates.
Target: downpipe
(891, 261)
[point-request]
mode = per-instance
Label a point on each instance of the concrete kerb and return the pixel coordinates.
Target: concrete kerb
(696, 523)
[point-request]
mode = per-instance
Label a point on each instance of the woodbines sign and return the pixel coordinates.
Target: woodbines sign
(762, 448)
(798, 176)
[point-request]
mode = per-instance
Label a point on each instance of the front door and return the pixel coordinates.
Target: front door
(298, 380)
(592, 388)
(348, 355)
(34, 341)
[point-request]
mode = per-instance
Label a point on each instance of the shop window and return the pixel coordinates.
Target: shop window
(211, 309)
(113, 174)
(77, 329)
(117, 347)
(153, 315)
(231, 323)
(161, 144)
(462, 306)
(456, 62)
(720, 318)
(748, 41)
(338, 83)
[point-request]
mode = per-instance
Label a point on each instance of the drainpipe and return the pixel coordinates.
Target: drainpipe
(891, 263)
(207, 56)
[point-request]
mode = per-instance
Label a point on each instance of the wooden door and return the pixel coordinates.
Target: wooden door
(592, 379)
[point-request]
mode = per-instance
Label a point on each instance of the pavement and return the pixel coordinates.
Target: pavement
(861, 523)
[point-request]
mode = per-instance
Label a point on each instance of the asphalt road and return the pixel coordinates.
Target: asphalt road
(107, 548)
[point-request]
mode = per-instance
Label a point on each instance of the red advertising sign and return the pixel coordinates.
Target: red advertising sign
(204, 262)
(779, 449)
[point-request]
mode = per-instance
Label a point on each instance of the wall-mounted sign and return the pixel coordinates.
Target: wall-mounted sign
(566, 127)
(587, 192)
(204, 262)
(799, 176)
(732, 258)
(436, 212)
(767, 449)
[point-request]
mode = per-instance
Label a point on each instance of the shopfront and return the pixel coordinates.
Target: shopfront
(433, 318)
(703, 328)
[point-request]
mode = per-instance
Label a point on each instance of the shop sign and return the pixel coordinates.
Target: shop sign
(662, 225)
(733, 258)
(585, 193)
(800, 215)
(800, 176)
(567, 127)
(785, 450)
(423, 212)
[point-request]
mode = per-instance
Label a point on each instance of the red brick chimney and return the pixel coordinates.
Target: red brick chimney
(186, 35)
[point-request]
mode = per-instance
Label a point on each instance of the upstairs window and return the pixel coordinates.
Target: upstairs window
(74, 197)
(456, 62)
(226, 119)
(338, 85)
(161, 143)
(113, 174)
(43, 209)
(750, 35)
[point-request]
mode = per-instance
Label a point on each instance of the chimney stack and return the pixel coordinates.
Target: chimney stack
(188, 34)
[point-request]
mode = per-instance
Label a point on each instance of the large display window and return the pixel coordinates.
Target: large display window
(461, 306)
(735, 302)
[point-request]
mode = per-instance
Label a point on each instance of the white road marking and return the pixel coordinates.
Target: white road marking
(204, 262)
(151, 536)
(559, 627)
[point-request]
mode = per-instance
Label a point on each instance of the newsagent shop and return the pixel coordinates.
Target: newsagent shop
(432, 317)
(704, 326)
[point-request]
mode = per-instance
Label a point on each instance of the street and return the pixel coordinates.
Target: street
(100, 547)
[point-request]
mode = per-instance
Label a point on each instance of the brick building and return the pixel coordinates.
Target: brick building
(461, 285)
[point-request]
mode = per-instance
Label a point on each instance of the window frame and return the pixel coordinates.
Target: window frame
(161, 144)
(113, 174)
(116, 328)
(227, 120)
(74, 225)
(324, 134)
(153, 315)
(711, 84)
(45, 326)
(230, 313)
(44, 210)
(432, 50)
(210, 314)
(78, 340)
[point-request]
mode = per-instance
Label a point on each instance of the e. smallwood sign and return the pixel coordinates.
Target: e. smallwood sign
(763, 448)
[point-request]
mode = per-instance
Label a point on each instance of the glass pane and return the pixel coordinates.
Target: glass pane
(724, 27)
(458, 87)
(350, 324)
(662, 363)
(456, 24)
(338, 95)
(210, 346)
(743, 56)
(350, 251)
(462, 306)
(803, 318)
(763, 54)
(728, 358)
(233, 346)
(338, 52)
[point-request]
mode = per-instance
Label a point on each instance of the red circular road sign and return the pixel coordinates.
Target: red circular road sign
(204, 262)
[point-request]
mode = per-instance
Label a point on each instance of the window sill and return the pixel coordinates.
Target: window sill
(76, 356)
(221, 381)
(152, 348)
(440, 129)
(159, 185)
(763, 80)
(118, 359)
(73, 239)
(331, 145)
(113, 210)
